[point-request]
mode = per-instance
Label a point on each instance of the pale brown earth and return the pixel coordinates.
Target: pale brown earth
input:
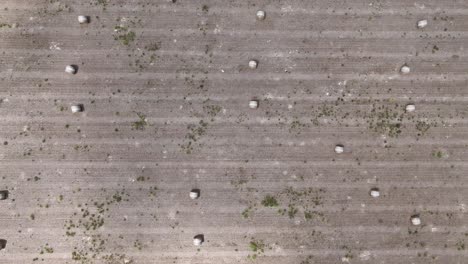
(166, 88)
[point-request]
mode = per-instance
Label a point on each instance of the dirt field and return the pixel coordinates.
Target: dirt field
(166, 85)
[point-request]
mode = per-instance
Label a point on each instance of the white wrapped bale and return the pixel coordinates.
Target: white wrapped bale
(339, 149)
(410, 108)
(194, 194)
(415, 220)
(71, 69)
(422, 23)
(253, 64)
(253, 104)
(374, 192)
(198, 240)
(405, 69)
(76, 108)
(83, 19)
(261, 15)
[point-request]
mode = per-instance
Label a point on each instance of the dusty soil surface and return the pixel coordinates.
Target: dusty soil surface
(166, 86)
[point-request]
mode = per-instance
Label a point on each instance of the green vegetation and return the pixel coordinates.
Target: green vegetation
(438, 154)
(102, 3)
(194, 134)
(292, 211)
(54, 7)
(257, 247)
(93, 218)
(81, 147)
(197, 131)
(385, 121)
(307, 261)
(422, 126)
(153, 191)
(349, 254)
(138, 245)
(460, 245)
(142, 59)
(80, 256)
(212, 110)
(88, 222)
(125, 36)
(246, 212)
(270, 201)
(295, 126)
(46, 249)
(311, 215)
(302, 201)
(35, 178)
(153, 46)
(140, 124)
(116, 259)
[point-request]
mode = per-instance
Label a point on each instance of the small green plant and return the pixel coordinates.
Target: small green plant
(103, 3)
(194, 134)
(313, 215)
(438, 154)
(296, 126)
(140, 124)
(153, 46)
(212, 110)
(138, 245)
(257, 247)
(46, 249)
(460, 245)
(422, 126)
(306, 261)
(384, 120)
(246, 212)
(125, 36)
(292, 211)
(270, 201)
